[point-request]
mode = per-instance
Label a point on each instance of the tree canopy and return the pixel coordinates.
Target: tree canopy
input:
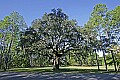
(56, 40)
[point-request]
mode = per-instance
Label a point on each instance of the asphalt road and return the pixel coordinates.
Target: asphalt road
(57, 76)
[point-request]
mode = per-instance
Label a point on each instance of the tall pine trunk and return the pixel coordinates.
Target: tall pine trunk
(31, 60)
(97, 60)
(105, 60)
(3, 52)
(9, 48)
(114, 61)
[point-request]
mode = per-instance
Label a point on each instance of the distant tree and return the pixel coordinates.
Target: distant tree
(97, 21)
(10, 28)
(112, 22)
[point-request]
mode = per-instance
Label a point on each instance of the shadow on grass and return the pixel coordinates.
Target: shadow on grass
(85, 71)
(30, 70)
(63, 70)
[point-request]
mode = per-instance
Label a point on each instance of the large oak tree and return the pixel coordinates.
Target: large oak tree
(57, 33)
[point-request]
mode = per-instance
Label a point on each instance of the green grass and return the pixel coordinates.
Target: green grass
(69, 69)
(45, 69)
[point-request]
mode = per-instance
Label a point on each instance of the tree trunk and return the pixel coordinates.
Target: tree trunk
(114, 61)
(56, 62)
(97, 61)
(4, 65)
(10, 46)
(118, 68)
(105, 60)
(3, 51)
(80, 62)
(31, 61)
(86, 62)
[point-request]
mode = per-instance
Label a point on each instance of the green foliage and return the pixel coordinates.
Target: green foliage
(9, 30)
(110, 59)
(55, 39)
(55, 33)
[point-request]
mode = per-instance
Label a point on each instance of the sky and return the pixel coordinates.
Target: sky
(33, 9)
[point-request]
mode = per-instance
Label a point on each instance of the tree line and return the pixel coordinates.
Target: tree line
(56, 40)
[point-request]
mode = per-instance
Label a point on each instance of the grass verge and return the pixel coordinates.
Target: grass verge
(69, 69)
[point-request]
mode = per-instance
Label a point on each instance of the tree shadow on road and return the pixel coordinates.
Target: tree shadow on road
(56, 76)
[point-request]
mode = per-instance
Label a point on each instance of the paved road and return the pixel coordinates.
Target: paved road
(57, 76)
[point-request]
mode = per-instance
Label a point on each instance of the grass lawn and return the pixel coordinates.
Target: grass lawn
(69, 69)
